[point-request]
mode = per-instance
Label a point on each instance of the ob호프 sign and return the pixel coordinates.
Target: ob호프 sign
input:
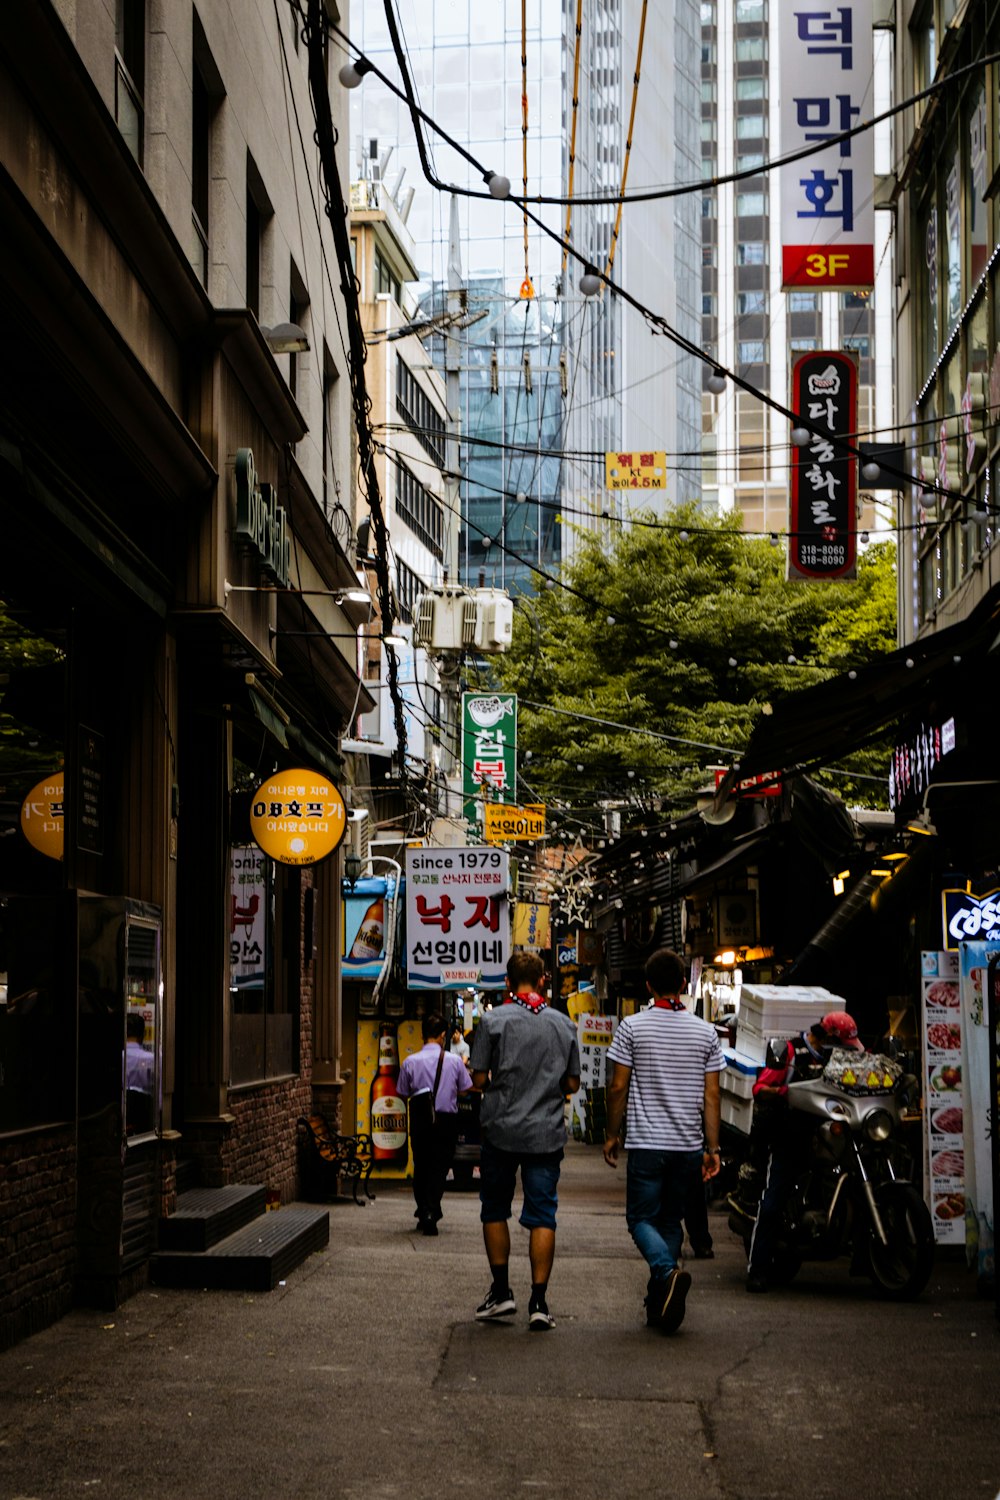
(297, 817)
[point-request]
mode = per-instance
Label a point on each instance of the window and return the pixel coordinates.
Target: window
(708, 305)
(206, 91)
(298, 312)
(750, 205)
(258, 213)
(708, 206)
(331, 488)
(802, 302)
(802, 346)
(416, 410)
(420, 510)
(385, 281)
(860, 344)
(857, 299)
(750, 10)
(130, 72)
(409, 587)
(751, 253)
(751, 49)
(750, 88)
(748, 162)
(709, 91)
(751, 352)
(749, 127)
(751, 302)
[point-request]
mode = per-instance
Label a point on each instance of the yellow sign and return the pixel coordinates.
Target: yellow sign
(504, 823)
(42, 816)
(635, 471)
(530, 928)
(297, 817)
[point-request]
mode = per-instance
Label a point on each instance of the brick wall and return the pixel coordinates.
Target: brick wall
(37, 1231)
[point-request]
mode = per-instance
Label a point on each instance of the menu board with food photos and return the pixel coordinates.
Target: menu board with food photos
(943, 1100)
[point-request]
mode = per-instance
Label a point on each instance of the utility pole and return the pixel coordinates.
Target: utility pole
(449, 665)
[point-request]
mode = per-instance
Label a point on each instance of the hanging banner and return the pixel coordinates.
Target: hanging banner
(247, 918)
(457, 918)
(298, 817)
(978, 1118)
(941, 1017)
(822, 525)
(531, 926)
(826, 87)
(489, 749)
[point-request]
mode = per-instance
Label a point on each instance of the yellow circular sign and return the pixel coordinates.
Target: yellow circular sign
(297, 817)
(42, 816)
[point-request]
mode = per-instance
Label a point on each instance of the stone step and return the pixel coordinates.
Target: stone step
(204, 1216)
(253, 1259)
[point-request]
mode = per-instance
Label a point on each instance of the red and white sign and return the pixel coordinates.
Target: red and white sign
(766, 784)
(827, 198)
(457, 918)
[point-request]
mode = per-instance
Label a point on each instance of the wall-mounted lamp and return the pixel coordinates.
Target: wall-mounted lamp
(286, 338)
(352, 868)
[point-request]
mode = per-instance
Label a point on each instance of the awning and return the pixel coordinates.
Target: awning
(733, 859)
(269, 715)
(823, 723)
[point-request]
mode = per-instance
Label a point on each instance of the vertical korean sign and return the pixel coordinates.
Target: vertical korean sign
(457, 918)
(822, 525)
(827, 198)
(489, 748)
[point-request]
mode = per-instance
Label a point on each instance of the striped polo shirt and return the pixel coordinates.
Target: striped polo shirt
(669, 1053)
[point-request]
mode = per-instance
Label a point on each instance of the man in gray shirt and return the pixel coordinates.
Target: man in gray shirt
(526, 1059)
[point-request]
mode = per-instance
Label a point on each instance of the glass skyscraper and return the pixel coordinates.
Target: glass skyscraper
(550, 380)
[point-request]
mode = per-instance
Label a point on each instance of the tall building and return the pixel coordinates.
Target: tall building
(749, 325)
(551, 379)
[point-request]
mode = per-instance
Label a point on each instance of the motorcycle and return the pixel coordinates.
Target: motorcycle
(852, 1194)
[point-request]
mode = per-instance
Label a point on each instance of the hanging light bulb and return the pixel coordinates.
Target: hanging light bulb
(870, 473)
(494, 374)
(498, 185)
(716, 382)
(773, 539)
(799, 437)
(590, 282)
(352, 73)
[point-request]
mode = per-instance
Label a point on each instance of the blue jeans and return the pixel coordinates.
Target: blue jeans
(656, 1188)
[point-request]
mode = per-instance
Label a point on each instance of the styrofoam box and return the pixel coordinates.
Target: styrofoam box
(739, 1074)
(774, 1007)
(737, 1112)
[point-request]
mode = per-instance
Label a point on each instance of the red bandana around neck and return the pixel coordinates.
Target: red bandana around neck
(530, 1001)
(669, 1002)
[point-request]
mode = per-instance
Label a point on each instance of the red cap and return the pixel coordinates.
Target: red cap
(842, 1028)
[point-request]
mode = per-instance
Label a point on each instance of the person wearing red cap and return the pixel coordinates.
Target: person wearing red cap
(804, 1057)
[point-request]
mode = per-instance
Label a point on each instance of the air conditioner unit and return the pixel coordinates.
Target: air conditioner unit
(359, 834)
(494, 619)
(445, 621)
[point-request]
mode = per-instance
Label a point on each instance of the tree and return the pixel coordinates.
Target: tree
(653, 661)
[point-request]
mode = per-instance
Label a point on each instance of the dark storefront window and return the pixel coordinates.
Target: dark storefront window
(264, 958)
(37, 983)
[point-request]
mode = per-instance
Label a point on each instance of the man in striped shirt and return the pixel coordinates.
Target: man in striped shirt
(666, 1070)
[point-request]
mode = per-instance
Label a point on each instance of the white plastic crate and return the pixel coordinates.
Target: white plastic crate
(737, 1085)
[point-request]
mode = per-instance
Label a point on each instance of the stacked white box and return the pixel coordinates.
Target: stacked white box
(773, 1010)
(736, 1083)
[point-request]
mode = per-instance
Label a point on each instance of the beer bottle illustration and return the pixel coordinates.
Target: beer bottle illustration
(388, 1110)
(370, 940)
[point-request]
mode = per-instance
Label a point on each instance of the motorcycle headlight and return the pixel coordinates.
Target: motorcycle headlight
(878, 1125)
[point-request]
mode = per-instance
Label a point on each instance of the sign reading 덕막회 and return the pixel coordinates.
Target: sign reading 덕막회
(827, 196)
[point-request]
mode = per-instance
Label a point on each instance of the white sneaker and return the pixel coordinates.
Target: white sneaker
(496, 1307)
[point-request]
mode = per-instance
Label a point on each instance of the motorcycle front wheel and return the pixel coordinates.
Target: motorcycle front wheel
(901, 1268)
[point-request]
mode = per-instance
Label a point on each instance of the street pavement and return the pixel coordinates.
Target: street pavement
(366, 1375)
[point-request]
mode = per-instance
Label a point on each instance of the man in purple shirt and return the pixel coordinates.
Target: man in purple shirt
(432, 1080)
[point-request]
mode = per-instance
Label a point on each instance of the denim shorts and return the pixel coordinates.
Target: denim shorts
(498, 1180)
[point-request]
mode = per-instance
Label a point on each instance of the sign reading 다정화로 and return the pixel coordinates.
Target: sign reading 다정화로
(827, 197)
(457, 918)
(822, 526)
(635, 471)
(297, 817)
(260, 520)
(503, 823)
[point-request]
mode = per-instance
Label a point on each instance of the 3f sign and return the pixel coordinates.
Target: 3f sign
(826, 266)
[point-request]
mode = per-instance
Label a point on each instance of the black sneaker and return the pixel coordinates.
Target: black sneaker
(496, 1306)
(539, 1317)
(671, 1310)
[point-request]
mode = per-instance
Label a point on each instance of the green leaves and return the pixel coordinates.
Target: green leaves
(660, 652)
